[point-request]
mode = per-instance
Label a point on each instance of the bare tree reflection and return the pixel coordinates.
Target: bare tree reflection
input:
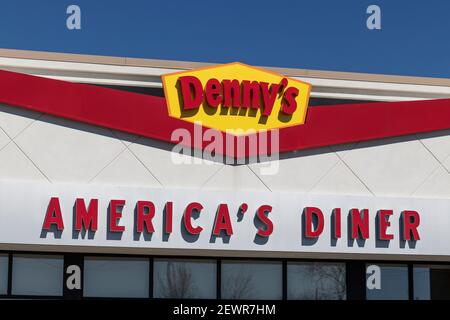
(238, 285)
(319, 282)
(178, 281)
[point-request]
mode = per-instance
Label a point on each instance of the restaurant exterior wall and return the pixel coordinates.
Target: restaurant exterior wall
(44, 150)
(40, 147)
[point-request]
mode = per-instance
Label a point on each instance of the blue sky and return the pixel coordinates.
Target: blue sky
(314, 34)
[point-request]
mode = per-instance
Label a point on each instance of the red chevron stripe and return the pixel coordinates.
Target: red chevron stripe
(147, 116)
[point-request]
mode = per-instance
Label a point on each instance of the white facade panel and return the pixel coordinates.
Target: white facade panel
(23, 208)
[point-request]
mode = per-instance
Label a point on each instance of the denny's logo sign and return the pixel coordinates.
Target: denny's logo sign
(236, 98)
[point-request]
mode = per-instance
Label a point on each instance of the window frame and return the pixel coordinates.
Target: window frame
(353, 284)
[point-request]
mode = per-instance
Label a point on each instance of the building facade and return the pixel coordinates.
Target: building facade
(88, 210)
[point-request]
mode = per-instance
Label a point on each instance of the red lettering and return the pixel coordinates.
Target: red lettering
(191, 91)
(187, 218)
(309, 213)
(360, 225)
(383, 224)
(223, 221)
(168, 213)
(115, 214)
(243, 208)
(289, 104)
(87, 218)
(213, 91)
(251, 94)
(268, 97)
(411, 221)
(231, 93)
(145, 218)
(53, 215)
(261, 214)
(337, 223)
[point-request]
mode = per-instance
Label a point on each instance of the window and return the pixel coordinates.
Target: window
(184, 279)
(116, 277)
(316, 281)
(37, 275)
(390, 283)
(258, 280)
(431, 282)
(3, 273)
